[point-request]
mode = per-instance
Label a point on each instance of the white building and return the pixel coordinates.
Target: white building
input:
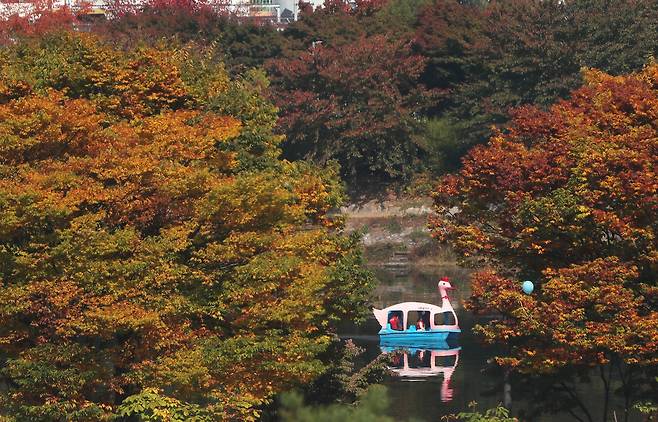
(275, 11)
(279, 11)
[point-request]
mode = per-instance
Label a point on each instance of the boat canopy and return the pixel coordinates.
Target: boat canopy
(434, 315)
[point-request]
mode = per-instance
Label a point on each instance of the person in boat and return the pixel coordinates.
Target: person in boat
(395, 322)
(421, 324)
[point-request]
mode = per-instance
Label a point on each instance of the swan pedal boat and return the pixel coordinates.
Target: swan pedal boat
(434, 334)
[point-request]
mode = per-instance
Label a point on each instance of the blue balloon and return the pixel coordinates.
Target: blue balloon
(528, 287)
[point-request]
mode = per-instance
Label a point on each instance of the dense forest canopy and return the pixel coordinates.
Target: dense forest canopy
(472, 62)
(168, 246)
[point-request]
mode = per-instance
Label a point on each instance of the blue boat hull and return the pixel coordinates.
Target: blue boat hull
(437, 339)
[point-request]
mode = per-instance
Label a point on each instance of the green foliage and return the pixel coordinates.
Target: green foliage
(151, 406)
(649, 409)
(505, 54)
(397, 18)
(257, 147)
(344, 381)
(352, 283)
(498, 414)
(372, 407)
(393, 225)
(443, 143)
(419, 235)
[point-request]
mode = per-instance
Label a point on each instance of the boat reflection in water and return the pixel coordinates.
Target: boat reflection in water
(418, 363)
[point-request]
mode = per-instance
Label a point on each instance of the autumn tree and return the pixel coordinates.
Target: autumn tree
(152, 258)
(358, 104)
(566, 198)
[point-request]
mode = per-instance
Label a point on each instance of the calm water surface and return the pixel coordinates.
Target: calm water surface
(461, 375)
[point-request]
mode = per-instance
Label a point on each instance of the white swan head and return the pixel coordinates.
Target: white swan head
(444, 284)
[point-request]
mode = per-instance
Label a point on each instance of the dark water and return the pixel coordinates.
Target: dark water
(462, 375)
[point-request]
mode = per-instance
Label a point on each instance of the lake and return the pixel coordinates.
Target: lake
(570, 397)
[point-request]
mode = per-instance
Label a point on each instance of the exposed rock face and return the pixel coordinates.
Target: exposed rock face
(395, 232)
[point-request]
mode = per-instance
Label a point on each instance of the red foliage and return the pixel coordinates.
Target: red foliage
(355, 103)
(39, 19)
(122, 8)
(336, 6)
(368, 7)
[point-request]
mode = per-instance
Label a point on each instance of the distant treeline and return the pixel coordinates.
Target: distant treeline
(393, 88)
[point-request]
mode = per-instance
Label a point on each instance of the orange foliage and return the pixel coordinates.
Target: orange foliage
(567, 198)
(139, 253)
